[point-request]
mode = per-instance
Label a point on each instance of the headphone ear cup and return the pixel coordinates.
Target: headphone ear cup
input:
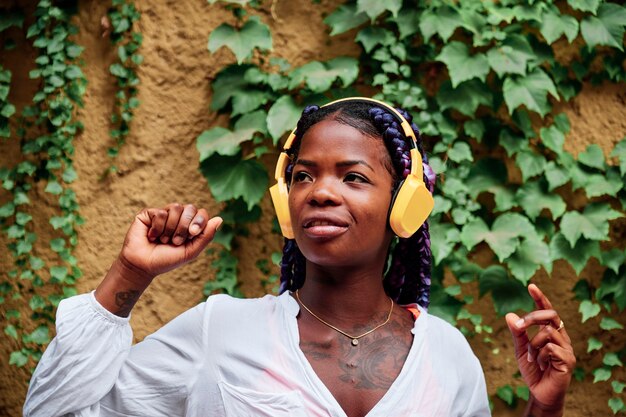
(280, 198)
(411, 206)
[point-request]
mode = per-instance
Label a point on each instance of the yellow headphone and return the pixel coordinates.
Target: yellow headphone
(410, 206)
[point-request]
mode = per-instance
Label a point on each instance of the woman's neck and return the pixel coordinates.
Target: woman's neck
(345, 294)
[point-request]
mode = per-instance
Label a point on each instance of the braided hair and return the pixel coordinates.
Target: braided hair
(407, 279)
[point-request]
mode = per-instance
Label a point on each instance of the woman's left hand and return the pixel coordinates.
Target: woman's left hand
(546, 361)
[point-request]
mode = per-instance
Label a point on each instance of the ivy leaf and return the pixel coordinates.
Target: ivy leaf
(578, 255)
(253, 34)
(531, 254)
(11, 18)
(446, 236)
(530, 163)
(461, 65)
(552, 138)
(39, 336)
(613, 259)
(588, 309)
(506, 394)
(597, 184)
(592, 157)
(372, 36)
(620, 152)
(593, 344)
(511, 56)
(59, 273)
(605, 29)
(508, 294)
(374, 8)
(585, 5)
(554, 24)
(245, 101)
(221, 141)
(319, 76)
(18, 358)
(530, 90)
(231, 177)
(460, 152)
(618, 387)
(344, 18)
(608, 323)
(616, 404)
(601, 374)
(465, 98)
(54, 187)
(592, 223)
(503, 236)
(408, 23)
(228, 82)
(282, 117)
(442, 21)
(611, 359)
(533, 198)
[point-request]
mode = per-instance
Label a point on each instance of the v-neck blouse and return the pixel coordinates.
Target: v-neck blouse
(232, 357)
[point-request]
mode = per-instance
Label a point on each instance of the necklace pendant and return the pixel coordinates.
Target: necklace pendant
(355, 342)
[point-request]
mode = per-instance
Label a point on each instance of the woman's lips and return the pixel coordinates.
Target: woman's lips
(320, 229)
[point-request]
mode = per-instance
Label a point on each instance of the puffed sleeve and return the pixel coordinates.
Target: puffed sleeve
(90, 369)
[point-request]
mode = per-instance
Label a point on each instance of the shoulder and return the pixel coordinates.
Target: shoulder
(447, 339)
(223, 305)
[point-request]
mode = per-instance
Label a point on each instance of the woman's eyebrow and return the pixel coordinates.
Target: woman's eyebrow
(309, 163)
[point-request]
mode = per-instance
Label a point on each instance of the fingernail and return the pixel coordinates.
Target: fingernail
(529, 357)
(519, 323)
(219, 226)
(542, 366)
(164, 239)
(177, 240)
(194, 228)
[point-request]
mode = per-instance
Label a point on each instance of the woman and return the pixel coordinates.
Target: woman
(348, 336)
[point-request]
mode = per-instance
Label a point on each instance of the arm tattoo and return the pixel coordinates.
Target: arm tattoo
(125, 301)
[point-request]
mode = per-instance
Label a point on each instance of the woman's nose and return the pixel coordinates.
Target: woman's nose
(324, 192)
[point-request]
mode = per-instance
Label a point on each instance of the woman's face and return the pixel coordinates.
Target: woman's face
(339, 196)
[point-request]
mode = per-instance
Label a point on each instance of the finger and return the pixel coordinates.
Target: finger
(520, 337)
(557, 357)
(539, 317)
(153, 221)
(541, 301)
(546, 335)
(199, 222)
(173, 215)
(182, 229)
(204, 238)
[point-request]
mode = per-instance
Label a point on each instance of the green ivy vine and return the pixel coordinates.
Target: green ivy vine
(481, 79)
(45, 132)
(122, 16)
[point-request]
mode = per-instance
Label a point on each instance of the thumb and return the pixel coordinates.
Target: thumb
(205, 237)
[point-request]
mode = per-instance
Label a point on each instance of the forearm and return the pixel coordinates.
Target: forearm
(121, 288)
(536, 409)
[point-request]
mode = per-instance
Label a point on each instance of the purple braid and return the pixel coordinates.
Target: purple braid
(408, 277)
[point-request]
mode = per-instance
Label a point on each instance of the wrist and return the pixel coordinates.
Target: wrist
(121, 287)
(537, 409)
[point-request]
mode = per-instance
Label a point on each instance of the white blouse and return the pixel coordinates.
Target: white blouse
(232, 357)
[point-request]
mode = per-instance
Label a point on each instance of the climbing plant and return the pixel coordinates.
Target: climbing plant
(33, 287)
(122, 16)
(482, 79)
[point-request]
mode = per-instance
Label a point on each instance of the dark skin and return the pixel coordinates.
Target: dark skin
(339, 214)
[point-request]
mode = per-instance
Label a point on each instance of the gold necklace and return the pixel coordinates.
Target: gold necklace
(355, 339)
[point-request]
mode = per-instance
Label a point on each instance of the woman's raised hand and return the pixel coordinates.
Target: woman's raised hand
(546, 361)
(161, 239)
(157, 241)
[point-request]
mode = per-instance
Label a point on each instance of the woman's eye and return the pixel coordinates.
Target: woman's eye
(301, 176)
(352, 177)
